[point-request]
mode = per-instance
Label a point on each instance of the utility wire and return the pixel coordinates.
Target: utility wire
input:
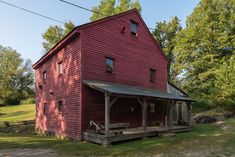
(75, 5)
(96, 12)
(78, 6)
(32, 12)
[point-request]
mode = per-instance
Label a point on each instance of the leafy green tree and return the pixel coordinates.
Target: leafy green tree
(207, 43)
(165, 33)
(54, 34)
(16, 77)
(225, 85)
(111, 7)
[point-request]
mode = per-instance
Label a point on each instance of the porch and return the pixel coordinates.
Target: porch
(132, 133)
(144, 98)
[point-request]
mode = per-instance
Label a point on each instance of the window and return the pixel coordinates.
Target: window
(109, 65)
(152, 108)
(134, 28)
(44, 76)
(152, 75)
(60, 68)
(60, 106)
(44, 108)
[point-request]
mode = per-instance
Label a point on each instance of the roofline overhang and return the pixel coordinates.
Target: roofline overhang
(74, 33)
(76, 30)
(135, 96)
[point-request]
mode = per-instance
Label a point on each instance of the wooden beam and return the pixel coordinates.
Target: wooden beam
(189, 113)
(139, 100)
(166, 121)
(107, 113)
(149, 101)
(144, 104)
(144, 114)
(171, 114)
(113, 101)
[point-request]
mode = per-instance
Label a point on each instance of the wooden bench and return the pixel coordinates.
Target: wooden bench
(119, 126)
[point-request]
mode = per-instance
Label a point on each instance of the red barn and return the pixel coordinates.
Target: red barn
(109, 72)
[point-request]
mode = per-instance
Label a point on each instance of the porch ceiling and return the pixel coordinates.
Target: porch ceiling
(121, 89)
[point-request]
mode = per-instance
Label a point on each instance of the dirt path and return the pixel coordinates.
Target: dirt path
(27, 153)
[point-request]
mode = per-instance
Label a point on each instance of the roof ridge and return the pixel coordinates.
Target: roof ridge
(81, 27)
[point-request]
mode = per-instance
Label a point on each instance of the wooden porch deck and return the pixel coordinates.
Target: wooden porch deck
(132, 133)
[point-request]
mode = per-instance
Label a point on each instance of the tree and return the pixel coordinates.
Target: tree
(225, 85)
(205, 44)
(54, 34)
(111, 7)
(16, 77)
(165, 34)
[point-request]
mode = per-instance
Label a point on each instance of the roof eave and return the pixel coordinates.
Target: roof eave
(56, 48)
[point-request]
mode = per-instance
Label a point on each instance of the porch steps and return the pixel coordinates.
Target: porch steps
(169, 134)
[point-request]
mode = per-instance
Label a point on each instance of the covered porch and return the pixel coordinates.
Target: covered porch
(144, 97)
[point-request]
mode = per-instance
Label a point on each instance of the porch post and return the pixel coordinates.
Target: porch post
(144, 114)
(189, 113)
(107, 113)
(171, 114)
(144, 105)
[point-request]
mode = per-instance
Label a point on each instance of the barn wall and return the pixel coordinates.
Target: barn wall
(65, 87)
(158, 116)
(133, 55)
(85, 59)
(123, 110)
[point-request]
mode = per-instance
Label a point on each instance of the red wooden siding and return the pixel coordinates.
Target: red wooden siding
(65, 87)
(84, 58)
(133, 55)
(123, 110)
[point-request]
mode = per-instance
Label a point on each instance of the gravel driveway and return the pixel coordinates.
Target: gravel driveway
(27, 153)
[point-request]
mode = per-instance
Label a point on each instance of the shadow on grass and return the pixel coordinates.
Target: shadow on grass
(201, 136)
(13, 114)
(2, 114)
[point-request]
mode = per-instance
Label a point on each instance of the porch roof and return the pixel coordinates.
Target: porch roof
(120, 89)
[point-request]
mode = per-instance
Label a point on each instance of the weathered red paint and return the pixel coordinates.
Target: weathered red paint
(83, 53)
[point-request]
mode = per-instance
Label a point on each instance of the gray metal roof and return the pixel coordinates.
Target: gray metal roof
(121, 89)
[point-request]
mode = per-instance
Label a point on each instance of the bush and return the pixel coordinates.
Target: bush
(7, 124)
(28, 101)
(200, 106)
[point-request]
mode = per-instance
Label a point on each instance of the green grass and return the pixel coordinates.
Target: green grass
(17, 113)
(204, 137)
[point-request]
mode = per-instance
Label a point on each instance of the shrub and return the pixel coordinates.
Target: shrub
(28, 101)
(7, 124)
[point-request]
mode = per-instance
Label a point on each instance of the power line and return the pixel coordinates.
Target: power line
(78, 6)
(32, 12)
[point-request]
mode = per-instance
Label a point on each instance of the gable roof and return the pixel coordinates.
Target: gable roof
(75, 32)
(177, 88)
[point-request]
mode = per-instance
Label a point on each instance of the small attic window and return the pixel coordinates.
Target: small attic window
(134, 28)
(44, 76)
(152, 75)
(60, 68)
(109, 64)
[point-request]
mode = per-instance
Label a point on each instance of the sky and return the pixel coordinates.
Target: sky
(23, 31)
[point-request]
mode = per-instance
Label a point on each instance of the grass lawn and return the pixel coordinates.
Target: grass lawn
(208, 140)
(204, 140)
(17, 113)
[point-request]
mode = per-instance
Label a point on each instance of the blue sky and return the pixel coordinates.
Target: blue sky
(23, 31)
